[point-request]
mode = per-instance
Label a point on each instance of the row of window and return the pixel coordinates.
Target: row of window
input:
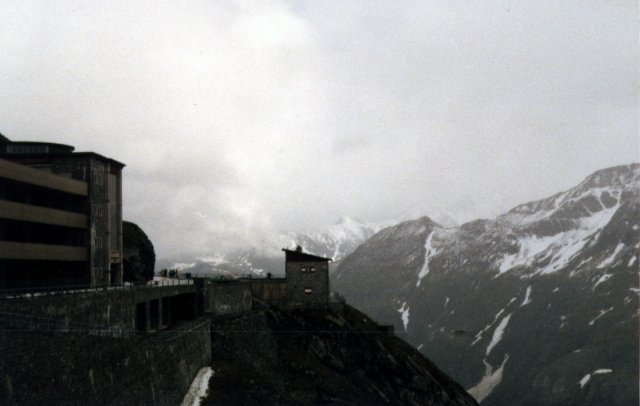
(38, 233)
(22, 192)
(308, 269)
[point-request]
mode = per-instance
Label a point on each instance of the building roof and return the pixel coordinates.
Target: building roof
(18, 150)
(298, 255)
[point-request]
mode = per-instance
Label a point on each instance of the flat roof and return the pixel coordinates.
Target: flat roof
(295, 255)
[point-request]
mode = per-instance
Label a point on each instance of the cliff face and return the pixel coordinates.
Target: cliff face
(272, 357)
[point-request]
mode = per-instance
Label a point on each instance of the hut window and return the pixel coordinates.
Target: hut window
(308, 291)
(304, 269)
(312, 269)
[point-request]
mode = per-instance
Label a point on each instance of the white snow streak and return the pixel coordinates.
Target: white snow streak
(497, 335)
(479, 335)
(198, 388)
(602, 313)
(560, 248)
(429, 251)
(526, 297)
(488, 382)
(405, 315)
(602, 279)
(609, 260)
(584, 380)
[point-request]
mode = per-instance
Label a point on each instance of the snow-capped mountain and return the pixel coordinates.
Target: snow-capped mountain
(538, 306)
(443, 219)
(337, 240)
(239, 262)
(334, 241)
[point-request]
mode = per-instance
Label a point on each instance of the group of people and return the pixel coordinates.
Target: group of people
(171, 273)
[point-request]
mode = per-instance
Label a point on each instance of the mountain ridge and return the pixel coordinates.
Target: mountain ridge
(468, 297)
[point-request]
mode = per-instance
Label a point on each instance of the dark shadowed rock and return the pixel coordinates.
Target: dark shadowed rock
(321, 357)
(139, 256)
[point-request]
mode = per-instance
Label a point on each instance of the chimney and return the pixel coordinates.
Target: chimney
(298, 248)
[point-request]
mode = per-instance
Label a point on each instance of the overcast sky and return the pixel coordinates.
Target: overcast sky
(238, 120)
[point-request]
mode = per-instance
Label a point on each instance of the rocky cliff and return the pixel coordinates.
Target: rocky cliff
(538, 306)
(272, 357)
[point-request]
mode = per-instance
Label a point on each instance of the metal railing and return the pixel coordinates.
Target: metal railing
(37, 291)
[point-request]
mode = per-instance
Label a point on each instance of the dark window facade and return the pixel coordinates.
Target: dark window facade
(37, 233)
(20, 192)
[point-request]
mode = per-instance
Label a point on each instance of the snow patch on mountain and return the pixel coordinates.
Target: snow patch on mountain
(404, 309)
(602, 279)
(587, 377)
(602, 313)
(559, 249)
(497, 334)
(428, 252)
(526, 300)
(489, 381)
(584, 380)
(481, 332)
(611, 258)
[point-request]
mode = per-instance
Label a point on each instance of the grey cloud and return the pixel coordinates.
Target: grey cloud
(238, 119)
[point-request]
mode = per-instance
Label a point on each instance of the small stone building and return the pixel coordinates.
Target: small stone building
(307, 280)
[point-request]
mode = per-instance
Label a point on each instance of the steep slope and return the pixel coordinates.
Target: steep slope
(539, 306)
(273, 357)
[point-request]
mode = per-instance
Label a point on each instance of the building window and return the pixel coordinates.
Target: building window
(98, 210)
(308, 291)
(97, 242)
(312, 269)
(304, 269)
(98, 175)
(98, 272)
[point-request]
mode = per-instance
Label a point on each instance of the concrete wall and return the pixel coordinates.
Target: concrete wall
(271, 291)
(48, 367)
(106, 312)
(227, 298)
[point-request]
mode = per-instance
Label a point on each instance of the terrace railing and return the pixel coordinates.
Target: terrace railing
(36, 291)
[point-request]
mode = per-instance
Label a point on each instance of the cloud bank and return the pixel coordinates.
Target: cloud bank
(239, 120)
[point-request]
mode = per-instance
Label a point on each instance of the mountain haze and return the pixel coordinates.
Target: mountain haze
(538, 306)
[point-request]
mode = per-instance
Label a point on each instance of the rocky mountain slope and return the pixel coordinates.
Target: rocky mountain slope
(539, 306)
(314, 357)
(334, 241)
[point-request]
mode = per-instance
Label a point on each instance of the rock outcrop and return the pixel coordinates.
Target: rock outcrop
(271, 357)
(139, 257)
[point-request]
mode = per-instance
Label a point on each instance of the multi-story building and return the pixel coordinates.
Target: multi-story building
(60, 216)
(307, 280)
